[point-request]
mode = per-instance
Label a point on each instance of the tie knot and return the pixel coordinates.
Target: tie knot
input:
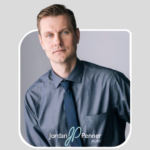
(66, 84)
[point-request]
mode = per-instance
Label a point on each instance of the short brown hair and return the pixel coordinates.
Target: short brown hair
(55, 10)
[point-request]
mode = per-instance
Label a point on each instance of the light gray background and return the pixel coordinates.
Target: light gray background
(19, 17)
(106, 48)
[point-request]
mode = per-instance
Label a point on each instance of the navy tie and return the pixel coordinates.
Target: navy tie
(71, 113)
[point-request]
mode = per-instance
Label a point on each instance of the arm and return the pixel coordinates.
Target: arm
(121, 96)
(34, 134)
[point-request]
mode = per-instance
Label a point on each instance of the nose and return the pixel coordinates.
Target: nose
(58, 40)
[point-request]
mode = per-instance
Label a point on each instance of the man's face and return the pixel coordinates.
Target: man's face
(58, 38)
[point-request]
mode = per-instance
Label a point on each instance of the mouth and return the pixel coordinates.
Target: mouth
(59, 50)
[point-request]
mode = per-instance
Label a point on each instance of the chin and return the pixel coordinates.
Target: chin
(60, 60)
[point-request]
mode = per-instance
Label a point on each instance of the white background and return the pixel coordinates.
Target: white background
(19, 17)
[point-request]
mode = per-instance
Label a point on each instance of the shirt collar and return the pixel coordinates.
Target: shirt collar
(75, 75)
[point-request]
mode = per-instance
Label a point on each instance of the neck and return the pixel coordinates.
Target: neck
(64, 69)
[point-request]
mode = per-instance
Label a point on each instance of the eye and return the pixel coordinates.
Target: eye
(49, 35)
(65, 32)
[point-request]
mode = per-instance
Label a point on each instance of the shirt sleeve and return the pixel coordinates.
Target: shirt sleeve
(34, 134)
(121, 96)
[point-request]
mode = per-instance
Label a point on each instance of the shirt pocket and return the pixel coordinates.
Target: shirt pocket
(95, 124)
(100, 124)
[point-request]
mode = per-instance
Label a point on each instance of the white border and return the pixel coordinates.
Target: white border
(19, 92)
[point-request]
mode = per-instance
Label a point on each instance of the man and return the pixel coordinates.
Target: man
(76, 103)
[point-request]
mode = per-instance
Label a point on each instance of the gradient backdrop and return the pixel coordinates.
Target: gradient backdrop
(106, 48)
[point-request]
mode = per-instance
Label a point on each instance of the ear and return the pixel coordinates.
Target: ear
(40, 39)
(77, 35)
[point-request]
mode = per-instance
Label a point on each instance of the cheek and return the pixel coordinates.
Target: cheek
(70, 42)
(48, 48)
(48, 45)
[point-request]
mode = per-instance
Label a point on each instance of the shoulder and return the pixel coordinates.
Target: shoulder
(38, 87)
(95, 70)
(36, 92)
(40, 82)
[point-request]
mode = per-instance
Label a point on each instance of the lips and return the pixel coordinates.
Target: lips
(59, 50)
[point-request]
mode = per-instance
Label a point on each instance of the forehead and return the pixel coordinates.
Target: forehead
(54, 23)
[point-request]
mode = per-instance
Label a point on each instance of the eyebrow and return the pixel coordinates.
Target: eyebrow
(59, 31)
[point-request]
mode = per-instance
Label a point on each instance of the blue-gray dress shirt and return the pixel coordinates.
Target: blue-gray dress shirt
(102, 98)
